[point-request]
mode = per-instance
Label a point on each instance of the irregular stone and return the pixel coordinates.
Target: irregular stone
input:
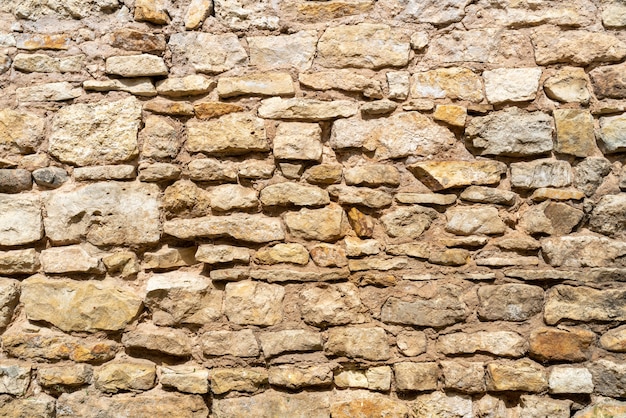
(288, 193)
(411, 343)
(590, 173)
(472, 241)
(184, 197)
(207, 53)
(553, 218)
(187, 379)
(452, 83)
(378, 107)
(612, 133)
(237, 379)
(233, 196)
(40, 405)
(153, 404)
(196, 13)
(5, 63)
(105, 172)
(42, 63)
(426, 198)
(511, 84)
(536, 406)
(474, 220)
(482, 194)
(408, 222)
(601, 408)
(517, 242)
(279, 342)
(283, 253)
(567, 344)
(182, 298)
(70, 259)
(336, 304)
(9, 295)
(132, 215)
(50, 177)
(362, 224)
(363, 196)
(399, 83)
(215, 254)
(582, 251)
(74, 375)
(614, 340)
(296, 377)
(210, 169)
(440, 403)
(569, 84)
(511, 132)
(463, 376)
(453, 257)
(108, 307)
(298, 141)
(567, 302)
(118, 376)
(234, 343)
(326, 255)
(324, 174)
(574, 132)
(436, 13)
(377, 263)
(440, 307)
(499, 343)
(21, 220)
(153, 11)
(254, 303)
(235, 133)
(416, 250)
(451, 114)
(31, 42)
(169, 107)
(257, 84)
(521, 375)
(296, 275)
(141, 86)
(609, 81)
(509, 302)
(252, 228)
(373, 175)
(15, 180)
(353, 342)
(145, 65)
(545, 193)
(134, 40)
(306, 109)
(441, 175)
(608, 378)
(566, 379)
(283, 51)
(53, 92)
(356, 247)
(14, 377)
(576, 47)
(365, 45)
(401, 135)
(124, 263)
(416, 376)
(247, 14)
(172, 342)
(108, 132)
(346, 80)
(295, 405)
(190, 85)
(327, 224)
(541, 173)
(209, 110)
(20, 131)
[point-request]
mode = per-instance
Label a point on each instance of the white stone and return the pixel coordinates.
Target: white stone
(566, 379)
(511, 84)
(283, 51)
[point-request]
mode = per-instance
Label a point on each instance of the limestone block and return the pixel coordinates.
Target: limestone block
(569, 84)
(238, 379)
(296, 377)
(574, 132)
(568, 344)
(353, 342)
(335, 304)
(252, 228)
(612, 133)
(235, 343)
(20, 131)
(74, 375)
(541, 173)
(346, 80)
(257, 84)
(464, 376)
(567, 379)
(511, 84)
(169, 341)
(70, 259)
(279, 342)
(416, 376)
(441, 175)
(306, 109)
(294, 405)
(582, 251)
(14, 377)
(190, 85)
(297, 194)
(523, 375)
(9, 295)
(144, 65)
(609, 81)
(184, 378)
(208, 53)
(474, 220)
(327, 224)
(254, 303)
(125, 375)
(283, 253)
(234, 133)
(21, 219)
(576, 47)
(499, 343)
(567, 302)
(49, 92)
(283, 51)
(298, 141)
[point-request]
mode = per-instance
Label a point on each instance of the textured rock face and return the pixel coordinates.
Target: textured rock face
(220, 52)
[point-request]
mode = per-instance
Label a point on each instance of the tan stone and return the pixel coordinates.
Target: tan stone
(172, 342)
(365, 343)
(426, 198)
(567, 344)
(235, 343)
(254, 303)
(377, 263)
(362, 196)
(279, 342)
(306, 109)
(298, 141)
(441, 175)
(234, 133)
(612, 133)
(238, 379)
(297, 194)
(523, 375)
(411, 343)
(184, 197)
(141, 86)
(168, 107)
(160, 137)
(152, 11)
(145, 65)
(20, 131)
(283, 253)
(185, 86)
(258, 84)
(576, 47)
(326, 11)
(277, 404)
(544, 193)
(40, 405)
(356, 247)
(474, 220)
(511, 84)
(184, 378)
(215, 254)
(582, 251)
(210, 110)
(233, 196)
(9, 295)
(326, 255)
(252, 228)
(23, 210)
(55, 92)
(452, 83)
(346, 80)
(14, 377)
(569, 84)
(207, 53)
(609, 81)
(365, 45)
(134, 40)
(296, 377)
(70, 259)
(124, 263)
(603, 408)
(464, 376)
(509, 302)
(614, 340)
(197, 12)
(67, 375)
(327, 224)
(566, 302)
(408, 222)
(541, 173)
(416, 376)
(283, 51)
(336, 304)
(574, 132)
(451, 114)
(499, 343)
(31, 42)
(324, 174)
(126, 375)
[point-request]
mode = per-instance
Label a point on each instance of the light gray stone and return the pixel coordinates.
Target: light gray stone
(612, 134)
(511, 84)
(283, 51)
(208, 53)
(20, 222)
(254, 303)
(582, 251)
(50, 92)
(541, 173)
(474, 220)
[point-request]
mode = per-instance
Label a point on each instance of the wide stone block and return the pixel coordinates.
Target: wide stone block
(168, 341)
(298, 141)
(511, 84)
(541, 173)
(521, 375)
(310, 110)
(107, 213)
(582, 251)
(441, 175)
(353, 342)
(296, 194)
(416, 376)
(566, 379)
(327, 224)
(568, 344)
(574, 132)
(20, 222)
(612, 134)
(96, 306)
(609, 377)
(499, 343)
(14, 377)
(283, 51)
(275, 404)
(235, 133)
(70, 259)
(577, 47)
(185, 378)
(237, 379)
(609, 81)
(252, 228)
(235, 343)
(254, 303)
(346, 80)
(509, 302)
(452, 83)
(334, 304)
(20, 131)
(297, 377)
(207, 53)
(118, 376)
(260, 84)
(584, 304)
(474, 220)
(145, 65)
(408, 222)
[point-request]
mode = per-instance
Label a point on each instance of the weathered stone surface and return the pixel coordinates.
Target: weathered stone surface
(256, 169)
(609, 82)
(14, 377)
(365, 45)
(279, 342)
(153, 11)
(298, 141)
(306, 109)
(441, 175)
(327, 224)
(238, 379)
(541, 173)
(434, 308)
(482, 194)
(21, 219)
(408, 222)
(499, 343)
(451, 114)
(509, 302)
(346, 80)
(105, 172)
(247, 14)
(377, 263)
(614, 340)
(187, 379)
(511, 84)
(9, 295)
(536, 406)
(158, 172)
(416, 376)
(54, 92)
(298, 405)
(324, 174)
(98, 305)
(511, 132)
(284, 51)
(463, 376)
(100, 133)
(169, 107)
(145, 65)
(132, 215)
(576, 47)
(545, 193)
(15, 180)
(169, 341)
(42, 63)
(569, 84)
(590, 173)
(233, 196)
(602, 408)
(608, 215)
(258, 84)
(399, 83)
(208, 53)
(45, 344)
(583, 304)
(210, 169)
(144, 405)
(190, 85)
(336, 304)
(612, 133)
(70, 259)
(582, 251)
(296, 377)
(253, 303)
(182, 298)
(400, 135)
(283, 253)
(566, 379)
(474, 220)
(452, 83)
(356, 247)
(209, 110)
(411, 343)
(215, 254)
(574, 132)
(287, 274)
(363, 196)
(124, 263)
(372, 175)
(134, 40)
(197, 12)
(378, 107)
(251, 228)
(74, 375)
(185, 198)
(118, 376)
(235, 343)
(374, 378)
(50, 177)
(447, 405)
(523, 375)
(568, 344)
(40, 405)
(297, 194)
(326, 255)
(20, 131)
(235, 133)
(353, 342)
(608, 377)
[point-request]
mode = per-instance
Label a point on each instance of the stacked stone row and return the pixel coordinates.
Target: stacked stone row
(220, 209)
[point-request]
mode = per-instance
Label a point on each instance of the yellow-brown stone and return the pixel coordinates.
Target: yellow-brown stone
(209, 110)
(451, 114)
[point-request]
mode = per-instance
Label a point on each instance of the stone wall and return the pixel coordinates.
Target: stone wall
(291, 208)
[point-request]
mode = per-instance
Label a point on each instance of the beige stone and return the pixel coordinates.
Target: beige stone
(362, 196)
(365, 45)
(408, 222)
(210, 110)
(210, 169)
(238, 379)
(23, 210)
(295, 405)
(574, 132)
(254, 303)
(126, 375)
(377, 263)
(541, 173)
(306, 109)
(169, 341)
(140, 86)
(566, 302)
(34, 41)
(545, 193)
(14, 377)
(153, 11)
(464, 376)
(582, 251)
(373, 175)
(296, 377)
(169, 107)
(327, 224)
(576, 47)
(197, 12)
(70, 259)
(346, 80)
(451, 114)
(566, 379)
(297, 194)
(20, 131)
(511, 84)
(184, 378)
(145, 65)
(283, 51)
(441, 175)
(53, 92)
(215, 254)
(426, 198)
(9, 295)
(235, 343)
(474, 220)
(565, 344)
(411, 343)
(297, 340)
(298, 141)
(452, 83)
(124, 263)
(569, 84)
(499, 343)
(333, 304)
(247, 14)
(614, 340)
(324, 174)
(608, 377)
(226, 197)
(234, 133)
(190, 85)
(135, 40)
(608, 81)
(74, 375)
(283, 253)
(252, 228)
(611, 133)
(522, 375)
(509, 302)
(356, 247)
(105, 172)
(412, 376)
(258, 84)
(365, 343)
(208, 53)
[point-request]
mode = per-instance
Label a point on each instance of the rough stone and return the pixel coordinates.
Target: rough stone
(447, 405)
(365, 45)
(169, 341)
(197, 12)
(574, 132)
(545, 193)
(441, 175)
(590, 173)
(536, 406)
(134, 40)
(209, 110)
(283, 253)
(373, 175)
(324, 174)
(353, 342)
(327, 224)
(298, 141)
(306, 109)
(246, 14)
(14, 377)
(258, 84)
(15, 180)
(53, 92)
(186, 379)
(169, 107)
(416, 376)
(130, 375)
(482, 194)
(474, 220)
(511, 132)
(190, 85)
(609, 81)
(284, 51)
(464, 376)
(602, 408)
(70, 259)
(362, 196)
(295, 405)
(124, 263)
(253, 303)
(50, 177)
(408, 222)
(327, 255)
(237, 379)
(296, 377)
(451, 114)
(356, 247)
(158, 172)
(583, 304)
(509, 302)
(21, 219)
(511, 84)
(153, 11)
(582, 251)
(333, 304)
(9, 295)
(608, 377)
(252, 228)
(569, 84)
(235, 133)
(215, 254)
(104, 172)
(523, 375)
(567, 344)
(141, 86)
(145, 65)
(40, 405)
(576, 47)
(452, 83)
(234, 343)
(499, 343)
(345, 80)
(287, 341)
(20, 131)
(288, 193)
(541, 173)
(614, 340)
(612, 133)
(411, 343)
(208, 53)
(74, 375)
(566, 379)
(226, 197)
